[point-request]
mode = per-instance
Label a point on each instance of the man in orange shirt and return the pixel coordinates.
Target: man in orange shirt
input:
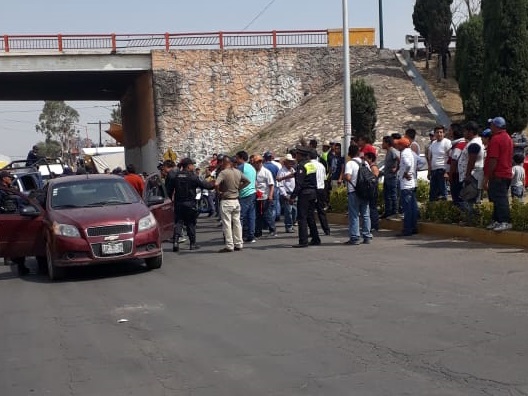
(134, 179)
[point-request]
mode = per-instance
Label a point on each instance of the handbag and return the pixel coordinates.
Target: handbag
(470, 190)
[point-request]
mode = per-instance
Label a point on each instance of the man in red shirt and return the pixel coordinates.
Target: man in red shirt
(498, 174)
(134, 179)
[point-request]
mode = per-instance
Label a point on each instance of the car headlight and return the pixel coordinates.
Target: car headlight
(66, 230)
(147, 222)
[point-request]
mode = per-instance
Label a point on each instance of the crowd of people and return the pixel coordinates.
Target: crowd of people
(251, 193)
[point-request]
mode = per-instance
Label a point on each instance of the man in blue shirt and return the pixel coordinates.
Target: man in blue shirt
(247, 198)
(270, 165)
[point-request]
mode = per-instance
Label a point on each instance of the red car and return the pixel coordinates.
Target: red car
(86, 219)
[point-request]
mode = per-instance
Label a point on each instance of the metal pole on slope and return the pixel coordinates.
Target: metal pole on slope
(346, 64)
(380, 9)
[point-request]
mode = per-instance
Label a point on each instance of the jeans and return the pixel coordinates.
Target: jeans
(374, 214)
(517, 192)
(265, 216)
(410, 211)
(277, 204)
(390, 195)
(456, 187)
(498, 194)
(290, 213)
(231, 226)
(437, 187)
(357, 208)
(247, 217)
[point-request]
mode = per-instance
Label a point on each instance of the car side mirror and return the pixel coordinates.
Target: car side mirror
(30, 211)
(155, 200)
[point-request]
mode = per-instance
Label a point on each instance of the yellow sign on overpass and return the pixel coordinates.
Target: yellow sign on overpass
(357, 36)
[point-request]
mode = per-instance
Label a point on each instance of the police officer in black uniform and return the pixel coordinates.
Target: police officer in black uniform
(306, 194)
(183, 185)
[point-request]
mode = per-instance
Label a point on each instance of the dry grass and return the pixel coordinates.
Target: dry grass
(446, 91)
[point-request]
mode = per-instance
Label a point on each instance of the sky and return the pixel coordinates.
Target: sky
(18, 119)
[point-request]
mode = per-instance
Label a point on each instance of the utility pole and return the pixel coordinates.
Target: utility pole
(346, 65)
(380, 9)
(100, 123)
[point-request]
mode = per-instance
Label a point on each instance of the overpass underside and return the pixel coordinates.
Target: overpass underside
(124, 78)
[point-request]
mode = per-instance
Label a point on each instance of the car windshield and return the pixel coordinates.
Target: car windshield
(82, 193)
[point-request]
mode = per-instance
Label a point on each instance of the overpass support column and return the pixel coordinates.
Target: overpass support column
(139, 126)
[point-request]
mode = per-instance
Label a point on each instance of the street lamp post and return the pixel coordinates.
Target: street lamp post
(346, 64)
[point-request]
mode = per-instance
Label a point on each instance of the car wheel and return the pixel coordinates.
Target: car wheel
(54, 272)
(154, 262)
(42, 263)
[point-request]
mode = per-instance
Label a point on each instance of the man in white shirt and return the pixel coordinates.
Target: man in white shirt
(286, 187)
(407, 179)
(265, 185)
(357, 207)
(438, 156)
(321, 192)
(471, 166)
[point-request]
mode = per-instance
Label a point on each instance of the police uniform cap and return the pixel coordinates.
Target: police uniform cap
(5, 173)
(304, 150)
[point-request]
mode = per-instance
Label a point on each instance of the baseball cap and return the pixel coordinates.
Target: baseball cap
(431, 133)
(499, 122)
(268, 155)
(403, 141)
(5, 173)
(486, 133)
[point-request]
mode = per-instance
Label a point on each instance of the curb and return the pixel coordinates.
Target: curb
(507, 238)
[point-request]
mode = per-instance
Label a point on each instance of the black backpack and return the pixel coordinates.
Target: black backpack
(367, 183)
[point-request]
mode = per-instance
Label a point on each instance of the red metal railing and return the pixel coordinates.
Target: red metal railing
(143, 42)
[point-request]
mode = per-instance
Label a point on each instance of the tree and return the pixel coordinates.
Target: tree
(364, 106)
(505, 78)
(50, 149)
(463, 10)
(115, 116)
(469, 64)
(56, 121)
(432, 19)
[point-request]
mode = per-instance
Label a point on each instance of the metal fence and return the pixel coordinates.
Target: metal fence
(121, 43)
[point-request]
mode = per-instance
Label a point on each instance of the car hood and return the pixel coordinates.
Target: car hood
(100, 215)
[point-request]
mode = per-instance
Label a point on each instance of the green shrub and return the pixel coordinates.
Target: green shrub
(422, 191)
(339, 200)
(440, 212)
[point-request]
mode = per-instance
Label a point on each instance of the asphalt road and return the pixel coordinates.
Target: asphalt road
(418, 316)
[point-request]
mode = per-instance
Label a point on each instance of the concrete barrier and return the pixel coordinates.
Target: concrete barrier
(507, 238)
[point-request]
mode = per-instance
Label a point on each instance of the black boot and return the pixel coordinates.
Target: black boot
(176, 247)
(194, 246)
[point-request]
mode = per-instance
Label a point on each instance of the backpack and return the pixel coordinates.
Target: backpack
(367, 183)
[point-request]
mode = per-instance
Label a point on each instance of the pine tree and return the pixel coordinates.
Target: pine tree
(505, 78)
(469, 64)
(363, 109)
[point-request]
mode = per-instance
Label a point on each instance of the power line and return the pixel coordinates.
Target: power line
(259, 14)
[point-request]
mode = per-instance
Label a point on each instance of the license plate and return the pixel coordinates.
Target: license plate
(112, 248)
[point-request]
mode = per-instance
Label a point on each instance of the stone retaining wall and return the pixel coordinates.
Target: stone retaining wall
(212, 101)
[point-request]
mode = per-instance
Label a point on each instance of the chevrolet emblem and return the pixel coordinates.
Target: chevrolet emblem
(111, 238)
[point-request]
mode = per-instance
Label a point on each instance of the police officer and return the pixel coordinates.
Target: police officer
(183, 184)
(306, 194)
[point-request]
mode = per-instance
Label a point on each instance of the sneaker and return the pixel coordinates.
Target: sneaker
(182, 239)
(314, 242)
(353, 242)
(289, 230)
(238, 248)
(251, 240)
(273, 234)
(194, 246)
(366, 241)
(502, 227)
(175, 248)
(492, 225)
(225, 250)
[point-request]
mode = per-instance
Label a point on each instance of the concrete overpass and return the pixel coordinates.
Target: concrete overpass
(152, 77)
